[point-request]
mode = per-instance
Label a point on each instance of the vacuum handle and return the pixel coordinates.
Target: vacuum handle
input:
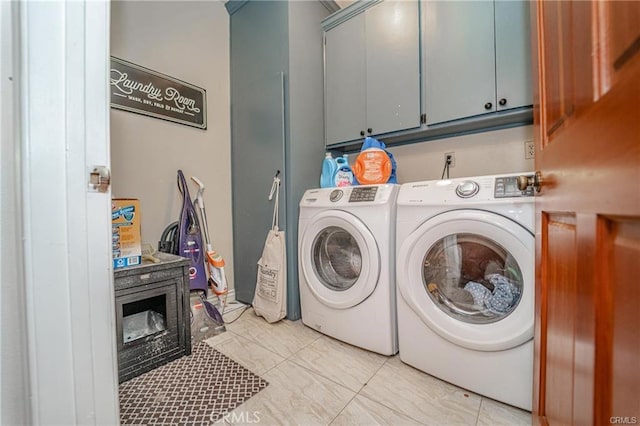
(198, 182)
(182, 183)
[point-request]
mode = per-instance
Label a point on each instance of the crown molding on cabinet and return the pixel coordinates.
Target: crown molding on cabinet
(233, 6)
(330, 5)
(347, 13)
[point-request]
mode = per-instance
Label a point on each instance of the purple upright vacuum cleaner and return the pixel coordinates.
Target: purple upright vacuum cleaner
(190, 246)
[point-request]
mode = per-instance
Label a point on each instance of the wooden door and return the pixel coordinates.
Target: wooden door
(587, 129)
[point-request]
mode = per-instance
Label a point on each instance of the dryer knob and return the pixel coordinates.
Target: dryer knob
(467, 189)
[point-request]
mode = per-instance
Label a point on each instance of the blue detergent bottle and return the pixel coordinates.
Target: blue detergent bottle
(344, 175)
(329, 168)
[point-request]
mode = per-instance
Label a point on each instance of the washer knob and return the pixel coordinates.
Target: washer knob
(335, 195)
(467, 189)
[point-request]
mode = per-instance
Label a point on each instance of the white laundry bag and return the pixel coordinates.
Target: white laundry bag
(270, 298)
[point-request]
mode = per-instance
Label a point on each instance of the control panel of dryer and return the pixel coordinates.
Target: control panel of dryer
(356, 194)
(364, 193)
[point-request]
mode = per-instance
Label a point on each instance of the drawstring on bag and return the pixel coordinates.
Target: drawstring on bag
(275, 189)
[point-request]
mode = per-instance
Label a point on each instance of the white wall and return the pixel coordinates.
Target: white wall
(188, 41)
(478, 154)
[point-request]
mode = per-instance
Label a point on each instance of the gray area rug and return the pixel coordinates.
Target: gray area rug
(194, 390)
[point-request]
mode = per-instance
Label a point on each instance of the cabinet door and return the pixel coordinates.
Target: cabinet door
(460, 59)
(393, 67)
(345, 81)
(513, 54)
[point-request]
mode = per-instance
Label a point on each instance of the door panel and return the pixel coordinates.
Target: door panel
(452, 91)
(569, 77)
(619, 243)
(393, 70)
(345, 107)
(587, 128)
(618, 37)
(513, 59)
(559, 265)
(558, 88)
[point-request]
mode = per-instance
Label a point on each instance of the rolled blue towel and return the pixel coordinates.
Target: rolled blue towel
(479, 293)
(501, 301)
(504, 297)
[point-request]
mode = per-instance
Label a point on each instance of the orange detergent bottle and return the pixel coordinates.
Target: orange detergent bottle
(372, 166)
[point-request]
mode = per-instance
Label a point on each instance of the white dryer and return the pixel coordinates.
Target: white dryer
(347, 266)
(465, 280)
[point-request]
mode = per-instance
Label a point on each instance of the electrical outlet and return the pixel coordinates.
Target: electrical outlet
(529, 150)
(452, 156)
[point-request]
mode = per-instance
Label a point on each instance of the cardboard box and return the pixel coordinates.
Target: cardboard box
(125, 232)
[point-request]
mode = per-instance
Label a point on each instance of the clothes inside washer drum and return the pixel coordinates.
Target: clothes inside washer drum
(504, 297)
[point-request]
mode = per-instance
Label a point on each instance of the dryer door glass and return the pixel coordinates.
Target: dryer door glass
(472, 278)
(337, 260)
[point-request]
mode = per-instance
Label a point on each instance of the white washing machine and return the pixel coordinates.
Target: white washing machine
(465, 280)
(346, 259)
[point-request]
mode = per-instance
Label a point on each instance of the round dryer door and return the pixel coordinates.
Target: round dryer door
(469, 275)
(340, 259)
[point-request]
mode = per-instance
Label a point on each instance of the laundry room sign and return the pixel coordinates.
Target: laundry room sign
(144, 91)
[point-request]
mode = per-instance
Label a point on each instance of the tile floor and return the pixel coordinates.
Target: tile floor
(316, 380)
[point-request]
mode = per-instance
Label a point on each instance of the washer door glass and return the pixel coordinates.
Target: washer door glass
(472, 278)
(337, 260)
(469, 276)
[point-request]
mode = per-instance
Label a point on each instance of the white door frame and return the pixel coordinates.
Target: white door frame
(63, 109)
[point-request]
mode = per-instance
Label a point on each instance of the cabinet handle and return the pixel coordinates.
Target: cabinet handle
(361, 132)
(502, 102)
(369, 130)
(488, 105)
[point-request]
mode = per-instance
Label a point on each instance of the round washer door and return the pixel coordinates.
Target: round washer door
(340, 259)
(469, 276)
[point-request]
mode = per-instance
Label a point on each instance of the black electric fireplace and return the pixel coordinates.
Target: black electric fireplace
(152, 315)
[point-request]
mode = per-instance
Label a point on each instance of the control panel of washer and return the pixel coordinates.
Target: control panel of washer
(507, 187)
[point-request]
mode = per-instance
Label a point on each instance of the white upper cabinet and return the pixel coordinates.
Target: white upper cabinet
(372, 71)
(476, 58)
(513, 54)
(345, 88)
